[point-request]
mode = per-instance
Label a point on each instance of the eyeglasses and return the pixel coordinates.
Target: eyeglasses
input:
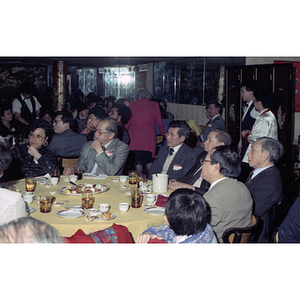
(36, 136)
(202, 161)
(100, 132)
(56, 121)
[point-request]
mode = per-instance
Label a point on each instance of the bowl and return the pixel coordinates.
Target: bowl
(123, 207)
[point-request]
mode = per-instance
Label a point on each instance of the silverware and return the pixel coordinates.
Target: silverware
(73, 183)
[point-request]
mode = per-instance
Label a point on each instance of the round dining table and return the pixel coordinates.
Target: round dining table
(135, 219)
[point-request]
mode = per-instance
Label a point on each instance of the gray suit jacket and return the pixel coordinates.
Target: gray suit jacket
(109, 165)
(217, 123)
(231, 205)
(67, 143)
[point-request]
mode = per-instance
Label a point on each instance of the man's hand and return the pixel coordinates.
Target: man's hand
(68, 171)
(174, 185)
(97, 146)
(146, 237)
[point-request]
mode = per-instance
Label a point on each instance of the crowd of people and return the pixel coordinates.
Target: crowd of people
(214, 186)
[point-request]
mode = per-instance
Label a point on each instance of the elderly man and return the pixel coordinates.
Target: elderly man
(106, 154)
(175, 158)
(229, 199)
(193, 180)
(214, 110)
(65, 142)
(265, 183)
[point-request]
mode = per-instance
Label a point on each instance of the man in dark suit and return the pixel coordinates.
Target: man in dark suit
(192, 179)
(175, 158)
(65, 142)
(265, 183)
(214, 110)
(248, 119)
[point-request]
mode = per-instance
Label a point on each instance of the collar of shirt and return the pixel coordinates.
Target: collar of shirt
(263, 111)
(257, 171)
(176, 149)
(215, 182)
(214, 117)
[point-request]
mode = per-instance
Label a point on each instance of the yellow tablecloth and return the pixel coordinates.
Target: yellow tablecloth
(134, 219)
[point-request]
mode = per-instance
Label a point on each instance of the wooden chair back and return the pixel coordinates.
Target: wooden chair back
(241, 235)
(67, 161)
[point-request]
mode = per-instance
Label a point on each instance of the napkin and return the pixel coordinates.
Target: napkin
(161, 201)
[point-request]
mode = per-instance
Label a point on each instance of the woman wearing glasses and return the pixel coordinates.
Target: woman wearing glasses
(34, 158)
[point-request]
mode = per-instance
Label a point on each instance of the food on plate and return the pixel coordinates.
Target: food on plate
(107, 215)
(85, 188)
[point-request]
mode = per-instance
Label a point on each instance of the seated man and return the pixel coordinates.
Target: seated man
(12, 205)
(192, 179)
(186, 220)
(265, 184)
(229, 199)
(65, 142)
(176, 158)
(106, 154)
(121, 113)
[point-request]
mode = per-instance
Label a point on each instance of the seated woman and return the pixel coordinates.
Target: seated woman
(7, 125)
(34, 159)
(186, 216)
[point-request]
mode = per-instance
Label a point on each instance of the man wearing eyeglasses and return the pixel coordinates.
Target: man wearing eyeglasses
(65, 142)
(175, 158)
(106, 154)
(229, 199)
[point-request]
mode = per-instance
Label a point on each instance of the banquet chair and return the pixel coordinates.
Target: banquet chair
(67, 161)
(241, 235)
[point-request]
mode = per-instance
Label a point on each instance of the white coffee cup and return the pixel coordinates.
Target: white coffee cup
(54, 180)
(73, 178)
(28, 198)
(160, 183)
(123, 206)
(150, 198)
(103, 207)
(123, 178)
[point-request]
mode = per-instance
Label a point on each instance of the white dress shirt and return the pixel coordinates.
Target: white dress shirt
(169, 159)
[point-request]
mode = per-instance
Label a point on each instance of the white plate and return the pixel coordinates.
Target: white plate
(71, 213)
(41, 179)
(30, 209)
(62, 191)
(155, 210)
(112, 216)
(89, 175)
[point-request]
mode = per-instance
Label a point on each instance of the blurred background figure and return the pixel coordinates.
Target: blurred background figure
(8, 126)
(29, 230)
(124, 101)
(81, 119)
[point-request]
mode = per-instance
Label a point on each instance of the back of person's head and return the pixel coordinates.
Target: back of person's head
(66, 116)
(184, 128)
(223, 136)
(124, 111)
(39, 123)
(122, 101)
(273, 146)
(99, 112)
(46, 111)
(267, 98)
(112, 125)
(218, 105)
(229, 160)
(29, 230)
(5, 157)
(143, 93)
(99, 101)
(187, 212)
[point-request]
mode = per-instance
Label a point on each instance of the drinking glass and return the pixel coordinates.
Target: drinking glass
(136, 198)
(79, 172)
(132, 177)
(87, 201)
(30, 184)
(45, 204)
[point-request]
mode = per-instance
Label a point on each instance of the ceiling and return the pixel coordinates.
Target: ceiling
(89, 61)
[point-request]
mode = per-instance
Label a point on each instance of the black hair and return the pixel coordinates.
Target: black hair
(229, 160)
(184, 128)
(66, 116)
(252, 86)
(81, 106)
(186, 212)
(39, 123)
(5, 157)
(218, 105)
(124, 111)
(5, 106)
(267, 99)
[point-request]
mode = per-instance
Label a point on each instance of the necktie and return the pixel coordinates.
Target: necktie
(171, 151)
(250, 175)
(103, 148)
